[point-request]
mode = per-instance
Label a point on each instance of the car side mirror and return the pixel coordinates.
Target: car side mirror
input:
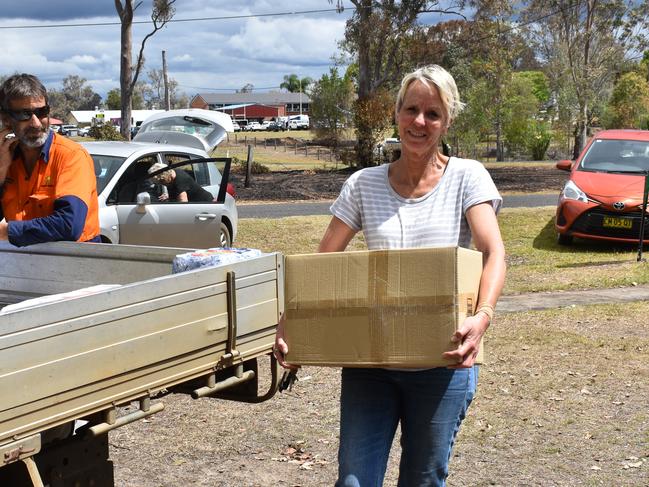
(142, 200)
(565, 165)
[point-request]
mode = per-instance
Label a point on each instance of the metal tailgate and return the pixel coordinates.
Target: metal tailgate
(68, 359)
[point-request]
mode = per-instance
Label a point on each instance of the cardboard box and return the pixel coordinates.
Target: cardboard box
(383, 308)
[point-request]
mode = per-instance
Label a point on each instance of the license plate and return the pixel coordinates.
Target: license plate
(615, 222)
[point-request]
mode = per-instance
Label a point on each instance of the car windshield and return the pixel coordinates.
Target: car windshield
(105, 169)
(607, 155)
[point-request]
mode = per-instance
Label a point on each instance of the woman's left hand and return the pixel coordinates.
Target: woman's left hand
(469, 335)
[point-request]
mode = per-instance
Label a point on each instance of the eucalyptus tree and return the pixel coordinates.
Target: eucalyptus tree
(162, 12)
(376, 36)
(583, 44)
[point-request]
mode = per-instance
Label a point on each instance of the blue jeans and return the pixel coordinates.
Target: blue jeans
(430, 404)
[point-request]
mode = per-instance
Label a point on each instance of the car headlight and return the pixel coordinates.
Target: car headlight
(572, 192)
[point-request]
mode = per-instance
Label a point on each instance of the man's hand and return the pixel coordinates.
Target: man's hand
(4, 230)
(7, 145)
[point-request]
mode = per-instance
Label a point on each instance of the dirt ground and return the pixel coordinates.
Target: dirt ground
(562, 401)
(313, 185)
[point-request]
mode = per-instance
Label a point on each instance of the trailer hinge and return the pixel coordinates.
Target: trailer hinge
(231, 351)
(17, 450)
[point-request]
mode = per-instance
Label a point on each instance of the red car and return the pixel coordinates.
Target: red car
(602, 200)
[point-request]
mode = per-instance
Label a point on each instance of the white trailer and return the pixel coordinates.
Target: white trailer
(82, 358)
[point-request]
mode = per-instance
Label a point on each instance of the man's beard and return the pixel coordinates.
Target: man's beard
(33, 138)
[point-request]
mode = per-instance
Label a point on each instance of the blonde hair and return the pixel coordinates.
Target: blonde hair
(442, 80)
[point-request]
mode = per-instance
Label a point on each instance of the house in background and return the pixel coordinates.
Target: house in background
(254, 106)
(91, 117)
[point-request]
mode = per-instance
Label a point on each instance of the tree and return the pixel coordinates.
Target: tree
(162, 12)
(583, 43)
(375, 38)
(247, 88)
(293, 84)
(113, 99)
(520, 111)
(331, 105)
(75, 95)
(629, 103)
(153, 93)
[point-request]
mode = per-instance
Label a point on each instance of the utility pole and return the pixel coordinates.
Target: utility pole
(165, 77)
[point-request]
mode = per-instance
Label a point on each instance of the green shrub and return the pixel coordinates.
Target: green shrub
(239, 166)
(539, 140)
(105, 132)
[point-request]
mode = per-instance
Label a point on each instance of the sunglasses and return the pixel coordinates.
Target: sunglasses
(22, 115)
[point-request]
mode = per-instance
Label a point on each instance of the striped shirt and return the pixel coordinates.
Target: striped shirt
(367, 202)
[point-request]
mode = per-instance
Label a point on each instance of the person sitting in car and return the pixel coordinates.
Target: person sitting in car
(181, 186)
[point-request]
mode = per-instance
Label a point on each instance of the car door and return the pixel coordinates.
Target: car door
(165, 223)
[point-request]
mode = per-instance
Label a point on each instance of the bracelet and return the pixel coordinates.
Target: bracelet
(487, 309)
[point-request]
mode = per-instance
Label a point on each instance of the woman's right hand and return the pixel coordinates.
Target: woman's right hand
(281, 348)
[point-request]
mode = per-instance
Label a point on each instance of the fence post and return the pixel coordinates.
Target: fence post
(318, 153)
(306, 151)
(275, 143)
(248, 167)
(295, 147)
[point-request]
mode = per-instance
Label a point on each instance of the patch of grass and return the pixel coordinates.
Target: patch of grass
(292, 235)
(282, 158)
(535, 261)
(570, 402)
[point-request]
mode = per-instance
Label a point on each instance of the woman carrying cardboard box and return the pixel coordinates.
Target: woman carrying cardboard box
(423, 199)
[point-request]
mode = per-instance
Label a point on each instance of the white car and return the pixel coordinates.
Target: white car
(265, 125)
(253, 126)
(129, 209)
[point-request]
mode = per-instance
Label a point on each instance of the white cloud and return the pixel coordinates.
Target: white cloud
(183, 58)
(82, 59)
(207, 54)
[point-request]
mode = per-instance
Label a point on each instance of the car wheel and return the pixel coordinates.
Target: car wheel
(564, 239)
(225, 240)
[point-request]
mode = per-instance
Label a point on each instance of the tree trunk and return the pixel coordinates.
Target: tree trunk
(363, 129)
(125, 76)
(165, 77)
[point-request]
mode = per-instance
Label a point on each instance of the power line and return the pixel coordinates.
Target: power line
(195, 19)
(229, 89)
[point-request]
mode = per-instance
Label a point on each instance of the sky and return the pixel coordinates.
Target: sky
(202, 56)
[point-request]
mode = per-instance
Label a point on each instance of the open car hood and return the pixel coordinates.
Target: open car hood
(190, 127)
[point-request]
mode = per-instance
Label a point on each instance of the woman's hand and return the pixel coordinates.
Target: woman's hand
(469, 335)
(281, 348)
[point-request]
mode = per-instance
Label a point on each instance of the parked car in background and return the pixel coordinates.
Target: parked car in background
(276, 126)
(69, 130)
(602, 199)
(265, 124)
(129, 209)
(236, 127)
(83, 131)
(299, 122)
(253, 126)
